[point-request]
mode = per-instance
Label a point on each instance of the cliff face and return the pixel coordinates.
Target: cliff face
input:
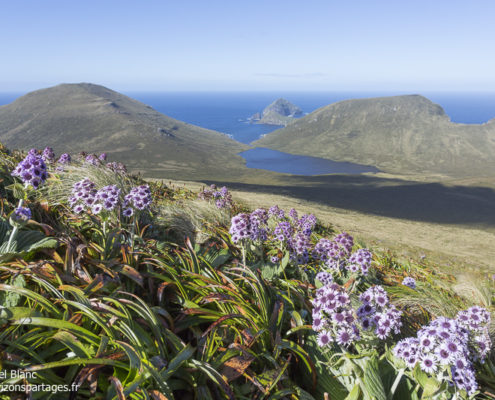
(280, 112)
(399, 134)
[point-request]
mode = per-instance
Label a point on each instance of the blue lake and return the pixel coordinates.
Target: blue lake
(278, 161)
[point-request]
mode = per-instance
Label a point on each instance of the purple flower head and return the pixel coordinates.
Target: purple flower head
(324, 277)
(78, 209)
(92, 159)
(276, 212)
(222, 197)
(429, 364)
(409, 282)
(108, 196)
(83, 195)
(48, 155)
(293, 214)
(239, 228)
(257, 224)
(102, 157)
(360, 260)
(117, 167)
(283, 231)
(64, 159)
(324, 339)
(22, 214)
(128, 212)
(345, 337)
(31, 170)
(139, 198)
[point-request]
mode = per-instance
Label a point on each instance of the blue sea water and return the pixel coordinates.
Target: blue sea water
(228, 112)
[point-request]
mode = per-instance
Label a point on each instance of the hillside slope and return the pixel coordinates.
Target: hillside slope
(400, 134)
(77, 117)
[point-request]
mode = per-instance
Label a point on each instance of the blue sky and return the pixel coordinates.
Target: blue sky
(249, 45)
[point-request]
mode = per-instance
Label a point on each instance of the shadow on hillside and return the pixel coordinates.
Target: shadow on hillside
(428, 202)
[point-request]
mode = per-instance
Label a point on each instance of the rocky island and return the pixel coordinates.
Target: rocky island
(280, 112)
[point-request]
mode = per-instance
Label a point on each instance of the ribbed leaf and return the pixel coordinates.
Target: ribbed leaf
(135, 364)
(76, 361)
(372, 381)
(185, 354)
(59, 324)
(354, 393)
(18, 313)
(33, 296)
(73, 344)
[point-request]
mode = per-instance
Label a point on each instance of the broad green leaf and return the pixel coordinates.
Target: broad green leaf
(355, 393)
(372, 381)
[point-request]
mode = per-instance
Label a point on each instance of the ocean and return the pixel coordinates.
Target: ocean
(228, 112)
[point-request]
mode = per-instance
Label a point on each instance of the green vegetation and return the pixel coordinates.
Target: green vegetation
(167, 304)
(87, 117)
(401, 135)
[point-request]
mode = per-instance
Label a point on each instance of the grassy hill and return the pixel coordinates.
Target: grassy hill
(196, 296)
(400, 134)
(77, 117)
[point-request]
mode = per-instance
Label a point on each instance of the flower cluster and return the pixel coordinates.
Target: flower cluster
(360, 260)
(377, 312)
(83, 196)
(448, 347)
(333, 316)
(336, 320)
(64, 159)
(22, 214)
(92, 159)
(324, 277)
(48, 155)
(336, 254)
(250, 226)
(31, 170)
(108, 197)
(293, 233)
(276, 212)
(409, 282)
(117, 167)
(258, 224)
(240, 227)
(139, 198)
(222, 196)
(477, 320)
(333, 251)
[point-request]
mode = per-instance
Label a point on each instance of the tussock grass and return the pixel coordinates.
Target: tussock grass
(435, 300)
(191, 219)
(475, 289)
(59, 186)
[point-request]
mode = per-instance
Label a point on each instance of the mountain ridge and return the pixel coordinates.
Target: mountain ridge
(93, 118)
(398, 134)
